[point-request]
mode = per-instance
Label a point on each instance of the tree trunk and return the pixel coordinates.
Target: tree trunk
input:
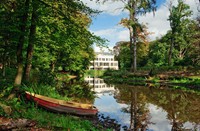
(134, 54)
(31, 43)
(133, 44)
(131, 49)
(18, 78)
(170, 50)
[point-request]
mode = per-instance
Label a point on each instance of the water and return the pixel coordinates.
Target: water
(147, 108)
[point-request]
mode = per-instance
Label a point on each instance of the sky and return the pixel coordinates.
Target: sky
(106, 24)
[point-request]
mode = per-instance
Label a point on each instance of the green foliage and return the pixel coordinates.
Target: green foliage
(179, 23)
(124, 57)
(194, 81)
(124, 77)
(45, 90)
(182, 35)
(157, 54)
(123, 54)
(2, 113)
(61, 38)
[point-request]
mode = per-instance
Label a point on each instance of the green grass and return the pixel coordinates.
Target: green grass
(125, 77)
(61, 121)
(193, 81)
(46, 119)
(21, 108)
(45, 90)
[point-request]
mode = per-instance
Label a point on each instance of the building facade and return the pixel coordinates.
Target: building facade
(104, 61)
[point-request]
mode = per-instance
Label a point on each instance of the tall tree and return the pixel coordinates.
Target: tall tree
(23, 26)
(31, 41)
(136, 7)
(178, 16)
(58, 31)
(142, 45)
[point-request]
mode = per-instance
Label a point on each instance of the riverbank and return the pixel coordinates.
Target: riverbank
(19, 114)
(19, 108)
(187, 77)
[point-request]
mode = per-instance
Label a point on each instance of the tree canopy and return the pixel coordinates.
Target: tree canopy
(46, 35)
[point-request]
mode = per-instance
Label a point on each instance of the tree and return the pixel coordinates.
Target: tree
(136, 7)
(31, 41)
(124, 54)
(178, 19)
(158, 51)
(192, 56)
(23, 26)
(56, 31)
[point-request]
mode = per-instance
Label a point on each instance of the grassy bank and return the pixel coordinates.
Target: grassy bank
(45, 84)
(173, 76)
(45, 119)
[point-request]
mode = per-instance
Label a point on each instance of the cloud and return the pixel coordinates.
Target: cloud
(123, 35)
(109, 7)
(157, 24)
(194, 5)
(158, 117)
(115, 34)
(105, 32)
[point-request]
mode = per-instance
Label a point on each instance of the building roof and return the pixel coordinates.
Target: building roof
(104, 53)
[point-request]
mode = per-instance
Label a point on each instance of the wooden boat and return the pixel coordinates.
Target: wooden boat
(62, 106)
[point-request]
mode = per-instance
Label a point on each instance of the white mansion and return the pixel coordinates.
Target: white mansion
(104, 60)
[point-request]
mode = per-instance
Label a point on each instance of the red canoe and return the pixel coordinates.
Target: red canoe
(61, 105)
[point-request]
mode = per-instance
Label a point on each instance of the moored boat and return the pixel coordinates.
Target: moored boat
(62, 106)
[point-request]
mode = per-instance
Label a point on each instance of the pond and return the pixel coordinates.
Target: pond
(147, 108)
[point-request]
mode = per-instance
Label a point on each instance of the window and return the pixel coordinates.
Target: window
(106, 64)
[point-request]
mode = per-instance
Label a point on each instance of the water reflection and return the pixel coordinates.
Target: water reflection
(99, 85)
(145, 108)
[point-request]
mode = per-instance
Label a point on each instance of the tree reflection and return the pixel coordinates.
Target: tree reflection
(181, 106)
(137, 107)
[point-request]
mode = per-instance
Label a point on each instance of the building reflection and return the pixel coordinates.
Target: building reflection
(99, 85)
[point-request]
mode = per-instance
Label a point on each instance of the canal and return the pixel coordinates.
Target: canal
(159, 108)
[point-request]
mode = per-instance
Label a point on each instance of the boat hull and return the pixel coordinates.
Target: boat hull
(57, 107)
